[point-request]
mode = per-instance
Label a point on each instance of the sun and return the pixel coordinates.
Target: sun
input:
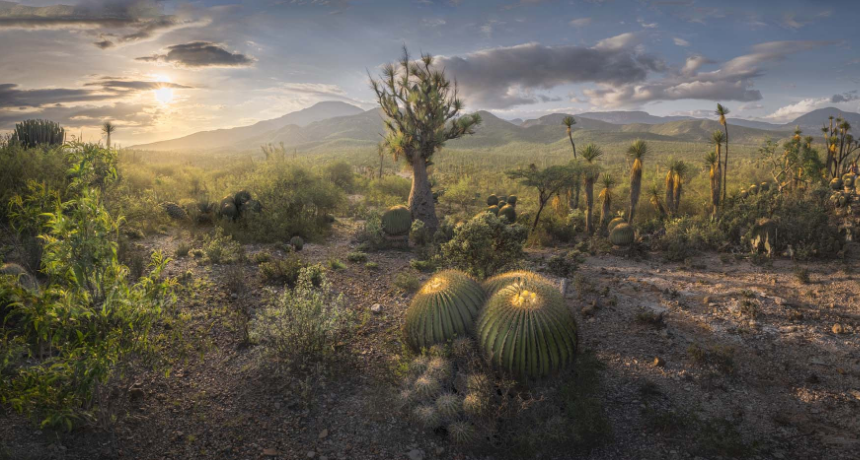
(163, 93)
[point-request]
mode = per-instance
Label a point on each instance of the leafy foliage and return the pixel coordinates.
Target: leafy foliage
(484, 245)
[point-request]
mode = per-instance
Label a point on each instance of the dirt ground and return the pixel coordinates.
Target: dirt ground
(758, 358)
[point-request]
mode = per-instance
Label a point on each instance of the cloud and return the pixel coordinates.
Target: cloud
(802, 107)
(123, 114)
(618, 42)
(681, 42)
(791, 21)
(112, 21)
(647, 25)
(845, 97)
(733, 81)
(433, 22)
(507, 76)
(200, 54)
(580, 22)
(13, 96)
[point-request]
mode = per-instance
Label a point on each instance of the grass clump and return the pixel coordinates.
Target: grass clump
(356, 257)
(221, 248)
(406, 282)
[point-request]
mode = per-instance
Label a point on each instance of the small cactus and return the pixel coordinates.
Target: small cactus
(836, 184)
(848, 180)
(426, 386)
(475, 405)
(764, 186)
(492, 200)
(493, 209)
(461, 432)
(744, 194)
(448, 405)
(512, 200)
(622, 235)
(509, 213)
(426, 416)
(439, 369)
(175, 211)
(241, 197)
(297, 243)
(228, 210)
(418, 365)
(753, 190)
(397, 221)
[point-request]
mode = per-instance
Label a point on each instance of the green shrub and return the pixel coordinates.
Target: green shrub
(221, 249)
(356, 257)
(182, 249)
(336, 264)
(406, 282)
(371, 266)
(302, 327)
(261, 257)
(283, 272)
(371, 236)
(419, 235)
(485, 245)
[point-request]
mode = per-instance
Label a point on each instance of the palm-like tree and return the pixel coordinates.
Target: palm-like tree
(655, 200)
(680, 170)
(569, 122)
(670, 189)
(718, 138)
(714, 173)
(606, 195)
(722, 112)
(108, 128)
(636, 151)
(590, 173)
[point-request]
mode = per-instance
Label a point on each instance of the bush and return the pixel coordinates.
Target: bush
(418, 234)
(485, 245)
(283, 272)
(21, 166)
(301, 328)
(356, 257)
(686, 236)
(371, 236)
(221, 249)
(406, 282)
(340, 173)
(388, 191)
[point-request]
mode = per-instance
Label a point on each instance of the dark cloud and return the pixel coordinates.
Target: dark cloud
(113, 21)
(504, 77)
(123, 114)
(106, 88)
(200, 54)
(133, 85)
(845, 97)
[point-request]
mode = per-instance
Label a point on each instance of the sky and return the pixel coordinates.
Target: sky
(163, 69)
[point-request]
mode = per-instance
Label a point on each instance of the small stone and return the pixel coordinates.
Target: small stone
(270, 453)
(658, 362)
(234, 295)
(376, 308)
(838, 329)
(415, 454)
(323, 434)
(311, 454)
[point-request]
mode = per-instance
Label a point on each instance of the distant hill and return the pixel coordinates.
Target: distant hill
(555, 119)
(627, 117)
(818, 118)
(700, 130)
(219, 138)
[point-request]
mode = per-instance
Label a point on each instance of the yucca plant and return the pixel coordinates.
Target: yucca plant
(591, 172)
(526, 330)
(714, 174)
(108, 128)
(568, 122)
(722, 112)
(670, 189)
(718, 138)
(501, 281)
(636, 152)
(655, 200)
(444, 308)
(607, 195)
(680, 176)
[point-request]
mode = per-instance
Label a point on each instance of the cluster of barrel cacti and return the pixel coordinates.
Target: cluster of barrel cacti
(503, 206)
(235, 206)
(754, 189)
(844, 190)
(522, 325)
(397, 221)
(31, 133)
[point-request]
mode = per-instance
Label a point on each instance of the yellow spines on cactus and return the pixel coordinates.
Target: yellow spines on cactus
(444, 308)
(501, 281)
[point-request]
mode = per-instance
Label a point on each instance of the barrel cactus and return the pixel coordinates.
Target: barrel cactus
(508, 212)
(397, 221)
(744, 194)
(492, 200)
(527, 331)
(836, 183)
(241, 197)
(764, 186)
(512, 200)
(622, 235)
(444, 308)
(252, 206)
(753, 190)
(499, 282)
(614, 222)
(503, 199)
(175, 211)
(228, 210)
(297, 243)
(493, 209)
(848, 180)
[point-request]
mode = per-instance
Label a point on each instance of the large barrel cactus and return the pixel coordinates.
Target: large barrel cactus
(836, 183)
(228, 210)
(175, 211)
(493, 209)
(241, 197)
(753, 190)
(297, 243)
(397, 221)
(622, 235)
(527, 331)
(31, 133)
(508, 212)
(501, 281)
(492, 200)
(614, 222)
(512, 200)
(444, 308)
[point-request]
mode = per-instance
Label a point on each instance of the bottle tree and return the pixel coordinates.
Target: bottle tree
(422, 112)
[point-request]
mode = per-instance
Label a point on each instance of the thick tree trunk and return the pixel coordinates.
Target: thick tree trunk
(589, 206)
(421, 197)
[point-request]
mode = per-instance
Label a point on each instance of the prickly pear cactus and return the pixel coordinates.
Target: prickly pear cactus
(622, 235)
(397, 221)
(444, 308)
(527, 331)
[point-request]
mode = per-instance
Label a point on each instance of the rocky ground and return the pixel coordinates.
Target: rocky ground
(715, 359)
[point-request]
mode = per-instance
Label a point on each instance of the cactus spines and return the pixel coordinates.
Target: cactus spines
(448, 405)
(228, 210)
(31, 133)
(397, 221)
(622, 235)
(498, 282)
(297, 243)
(614, 222)
(461, 432)
(836, 184)
(474, 404)
(175, 211)
(426, 386)
(512, 200)
(444, 308)
(426, 416)
(527, 331)
(419, 365)
(848, 180)
(509, 213)
(492, 200)
(462, 347)
(439, 369)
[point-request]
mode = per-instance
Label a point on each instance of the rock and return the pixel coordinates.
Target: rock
(376, 308)
(271, 453)
(588, 310)
(416, 454)
(323, 434)
(658, 362)
(838, 329)
(311, 454)
(779, 301)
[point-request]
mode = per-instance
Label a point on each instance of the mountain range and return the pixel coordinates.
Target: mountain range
(335, 123)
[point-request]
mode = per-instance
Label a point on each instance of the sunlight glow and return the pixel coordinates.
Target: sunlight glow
(163, 94)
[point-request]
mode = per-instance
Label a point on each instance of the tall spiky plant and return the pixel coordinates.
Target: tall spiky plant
(722, 112)
(670, 189)
(718, 138)
(714, 174)
(568, 121)
(636, 151)
(590, 174)
(422, 113)
(108, 128)
(655, 200)
(680, 175)
(606, 195)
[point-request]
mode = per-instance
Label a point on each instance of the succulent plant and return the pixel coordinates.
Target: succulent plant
(848, 180)
(448, 405)
(614, 222)
(228, 210)
(764, 186)
(426, 386)
(753, 190)
(836, 183)
(492, 200)
(526, 330)
(622, 235)
(461, 432)
(241, 197)
(462, 347)
(475, 404)
(512, 200)
(443, 309)
(174, 211)
(498, 282)
(744, 194)
(297, 243)
(440, 369)
(493, 209)
(397, 221)
(418, 365)
(509, 213)
(426, 416)
(31, 133)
